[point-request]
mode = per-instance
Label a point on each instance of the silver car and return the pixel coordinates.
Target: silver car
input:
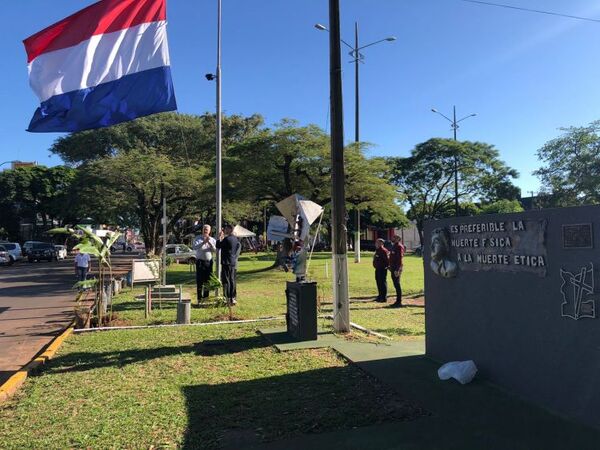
(181, 253)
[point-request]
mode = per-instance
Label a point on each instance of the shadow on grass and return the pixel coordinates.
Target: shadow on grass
(84, 361)
(367, 298)
(328, 308)
(399, 331)
(246, 413)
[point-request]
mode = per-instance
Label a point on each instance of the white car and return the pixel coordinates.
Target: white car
(61, 251)
(14, 251)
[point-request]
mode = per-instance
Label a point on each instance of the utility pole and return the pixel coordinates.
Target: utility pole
(341, 312)
(356, 135)
(219, 193)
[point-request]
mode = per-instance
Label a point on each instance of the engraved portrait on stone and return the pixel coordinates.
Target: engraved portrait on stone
(441, 264)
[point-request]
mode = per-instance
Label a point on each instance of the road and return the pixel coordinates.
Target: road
(36, 304)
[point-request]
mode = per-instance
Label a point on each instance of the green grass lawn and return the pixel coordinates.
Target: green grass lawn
(189, 387)
(261, 293)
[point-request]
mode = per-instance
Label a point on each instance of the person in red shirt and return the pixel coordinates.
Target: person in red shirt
(381, 261)
(396, 254)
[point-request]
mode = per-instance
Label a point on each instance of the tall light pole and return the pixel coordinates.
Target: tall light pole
(454, 125)
(357, 59)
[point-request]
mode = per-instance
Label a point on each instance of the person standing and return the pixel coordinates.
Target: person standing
(204, 245)
(230, 251)
(396, 266)
(381, 263)
(82, 265)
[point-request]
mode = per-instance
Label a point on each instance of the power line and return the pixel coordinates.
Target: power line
(538, 11)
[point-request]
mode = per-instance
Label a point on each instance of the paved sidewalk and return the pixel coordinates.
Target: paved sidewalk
(476, 416)
(36, 304)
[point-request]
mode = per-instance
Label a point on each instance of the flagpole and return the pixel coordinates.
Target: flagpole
(218, 118)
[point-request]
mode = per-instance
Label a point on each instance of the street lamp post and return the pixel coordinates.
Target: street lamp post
(7, 162)
(357, 58)
(454, 125)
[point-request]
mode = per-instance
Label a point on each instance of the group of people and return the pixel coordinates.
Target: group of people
(385, 260)
(206, 247)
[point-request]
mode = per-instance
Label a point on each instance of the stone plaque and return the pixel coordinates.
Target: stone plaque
(577, 235)
(501, 246)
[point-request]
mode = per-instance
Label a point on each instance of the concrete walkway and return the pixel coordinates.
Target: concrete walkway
(475, 416)
(36, 304)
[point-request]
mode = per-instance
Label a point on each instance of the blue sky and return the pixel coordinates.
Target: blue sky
(524, 74)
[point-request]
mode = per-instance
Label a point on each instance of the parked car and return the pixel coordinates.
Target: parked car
(181, 253)
(118, 247)
(14, 251)
(4, 255)
(28, 245)
(61, 251)
(42, 250)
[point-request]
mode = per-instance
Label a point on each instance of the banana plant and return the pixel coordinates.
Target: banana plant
(91, 244)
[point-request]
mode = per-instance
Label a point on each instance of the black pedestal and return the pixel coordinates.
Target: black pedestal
(301, 314)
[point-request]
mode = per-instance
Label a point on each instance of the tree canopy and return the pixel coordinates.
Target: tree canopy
(184, 137)
(570, 174)
(426, 177)
(123, 172)
(132, 185)
(29, 194)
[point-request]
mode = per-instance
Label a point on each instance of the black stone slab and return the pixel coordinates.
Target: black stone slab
(523, 306)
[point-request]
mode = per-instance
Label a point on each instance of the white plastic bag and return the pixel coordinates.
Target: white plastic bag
(461, 371)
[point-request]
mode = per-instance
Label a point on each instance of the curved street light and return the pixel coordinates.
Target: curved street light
(454, 125)
(357, 57)
(8, 162)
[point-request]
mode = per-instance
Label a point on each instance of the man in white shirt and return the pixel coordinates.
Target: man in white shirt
(205, 246)
(82, 265)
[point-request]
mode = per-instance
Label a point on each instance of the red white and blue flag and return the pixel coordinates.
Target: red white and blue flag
(105, 64)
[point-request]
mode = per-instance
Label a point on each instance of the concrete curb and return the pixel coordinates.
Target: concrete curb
(12, 385)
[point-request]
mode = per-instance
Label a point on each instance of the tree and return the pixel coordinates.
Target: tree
(503, 206)
(279, 162)
(292, 159)
(426, 177)
(570, 174)
(189, 139)
(134, 183)
(34, 193)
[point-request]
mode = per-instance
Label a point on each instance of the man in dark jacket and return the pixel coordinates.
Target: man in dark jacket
(230, 248)
(396, 265)
(381, 264)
